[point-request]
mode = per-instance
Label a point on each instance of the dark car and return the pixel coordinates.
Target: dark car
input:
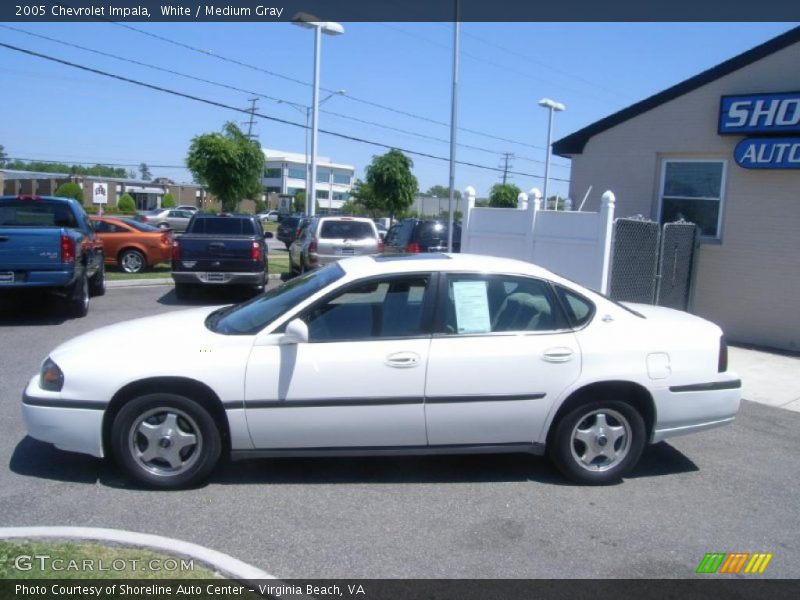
(288, 229)
(418, 235)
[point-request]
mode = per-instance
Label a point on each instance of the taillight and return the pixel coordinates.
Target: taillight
(380, 246)
(722, 364)
(413, 247)
(67, 249)
(176, 250)
(255, 251)
(166, 239)
(312, 246)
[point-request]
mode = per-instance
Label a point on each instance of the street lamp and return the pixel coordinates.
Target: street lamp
(319, 27)
(552, 106)
(306, 110)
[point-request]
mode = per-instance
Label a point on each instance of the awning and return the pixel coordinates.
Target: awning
(140, 189)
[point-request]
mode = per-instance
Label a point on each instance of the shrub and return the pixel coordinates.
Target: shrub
(168, 201)
(70, 190)
(126, 204)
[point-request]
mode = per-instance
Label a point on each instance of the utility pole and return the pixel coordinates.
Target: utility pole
(252, 119)
(506, 166)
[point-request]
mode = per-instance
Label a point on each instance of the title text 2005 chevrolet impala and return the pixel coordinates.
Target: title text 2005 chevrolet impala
(425, 354)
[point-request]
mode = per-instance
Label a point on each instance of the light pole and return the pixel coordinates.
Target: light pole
(552, 106)
(306, 110)
(319, 27)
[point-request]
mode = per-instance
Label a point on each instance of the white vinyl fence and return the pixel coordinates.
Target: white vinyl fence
(573, 244)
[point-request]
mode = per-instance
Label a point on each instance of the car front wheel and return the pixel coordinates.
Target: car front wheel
(598, 442)
(166, 441)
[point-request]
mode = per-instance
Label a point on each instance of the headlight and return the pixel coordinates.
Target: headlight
(51, 377)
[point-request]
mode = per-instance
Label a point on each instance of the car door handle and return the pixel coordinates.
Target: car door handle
(216, 245)
(403, 360)
(557, 355)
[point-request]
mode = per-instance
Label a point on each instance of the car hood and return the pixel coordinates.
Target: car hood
(156, 334)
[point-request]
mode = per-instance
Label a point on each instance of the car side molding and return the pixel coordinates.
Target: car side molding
(506, 448)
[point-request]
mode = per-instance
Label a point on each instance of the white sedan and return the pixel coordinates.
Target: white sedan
(425, 354)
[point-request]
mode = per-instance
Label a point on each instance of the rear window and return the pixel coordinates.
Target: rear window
(223, 226)
(347, 230)
(290, 222)
(139, 225)
(432, 231)
(36, 213)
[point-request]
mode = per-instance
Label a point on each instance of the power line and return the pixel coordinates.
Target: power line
(262, 95)
(307, 84)
(263, 116)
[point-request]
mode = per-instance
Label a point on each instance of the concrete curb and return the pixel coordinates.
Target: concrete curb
(222, 563)
(121, 283)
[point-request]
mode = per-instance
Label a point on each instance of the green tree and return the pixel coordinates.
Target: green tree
(3, 156)
(261, 206)
(55, 167)
(126, 204)
(70, 190)
(300, 201)
(441, 191)
(229, 164)
(504, 195)
(145, 171)
(168, 201)
(392, 185)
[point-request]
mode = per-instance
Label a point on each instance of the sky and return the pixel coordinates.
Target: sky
(51, 111)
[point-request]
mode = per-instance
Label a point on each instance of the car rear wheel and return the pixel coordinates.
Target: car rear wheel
(166, 441)
(598, 442)
(132, 261)
(97, 285)
(78, 299)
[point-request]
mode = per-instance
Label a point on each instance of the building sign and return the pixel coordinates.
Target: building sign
(760, 113)
(99, 193)
(768, 153)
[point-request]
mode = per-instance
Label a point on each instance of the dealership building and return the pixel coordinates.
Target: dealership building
(721, 149)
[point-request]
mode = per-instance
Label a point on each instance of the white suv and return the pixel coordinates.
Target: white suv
(323, 240)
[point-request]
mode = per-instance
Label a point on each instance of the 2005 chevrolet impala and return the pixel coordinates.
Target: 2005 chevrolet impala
(425, 354)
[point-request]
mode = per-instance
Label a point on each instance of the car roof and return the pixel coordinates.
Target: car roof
(364, 266)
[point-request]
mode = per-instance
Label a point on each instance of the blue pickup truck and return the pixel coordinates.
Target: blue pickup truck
(49, 244)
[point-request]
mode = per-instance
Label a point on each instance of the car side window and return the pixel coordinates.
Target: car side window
(498, 303)
(381, 308)
(579, 310)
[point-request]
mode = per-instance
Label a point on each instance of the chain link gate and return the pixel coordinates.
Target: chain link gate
(651, 264)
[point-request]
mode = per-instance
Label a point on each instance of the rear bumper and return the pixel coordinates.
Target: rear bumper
(67, 428)
(220, 278)
(696, 407)
(39, 279)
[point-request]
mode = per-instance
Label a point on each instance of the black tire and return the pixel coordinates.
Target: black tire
(78, 298)
(169, 459)
(287, 244)
(132, 261)
(97, 285)
(183, 291)
(618, 441)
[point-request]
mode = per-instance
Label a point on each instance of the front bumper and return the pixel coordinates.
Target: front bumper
(686, 409)
(67, 425)
(216, 278)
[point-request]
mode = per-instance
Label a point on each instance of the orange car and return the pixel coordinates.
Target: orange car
(131, 245)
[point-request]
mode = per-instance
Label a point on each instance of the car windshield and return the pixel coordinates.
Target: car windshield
(223, 226)
(346, 230)
(252, 316)
(139, 225)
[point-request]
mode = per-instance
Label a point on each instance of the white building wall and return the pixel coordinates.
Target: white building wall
(750, 282)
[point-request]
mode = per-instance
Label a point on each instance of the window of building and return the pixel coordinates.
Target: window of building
(343, 196)
(341, 177)
(323, 175)
(297, 172)
(273, 188)
(273, 173)
(322, 194)
(692, 190)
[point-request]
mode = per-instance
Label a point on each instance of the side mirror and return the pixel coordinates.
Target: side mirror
(268, 235)
(296, 332)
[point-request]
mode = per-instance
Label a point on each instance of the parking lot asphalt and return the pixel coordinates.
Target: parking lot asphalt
(733, 489)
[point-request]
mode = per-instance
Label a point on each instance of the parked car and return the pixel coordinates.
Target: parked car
(426, 354)
(270, 216)
(168, 218)
(382, 230)
(190, 207)
(326, 239)
(410, 236)
(288, 228)
(48, 244)
(131, 245)
(220, 250)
